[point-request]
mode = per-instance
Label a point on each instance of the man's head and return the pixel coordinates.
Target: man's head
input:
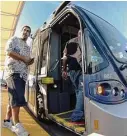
(26, 31)
(71, 48)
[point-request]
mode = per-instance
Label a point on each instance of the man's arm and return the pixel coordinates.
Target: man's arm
(16, 56)
(64, 63)
(64, 71)
(10, 50)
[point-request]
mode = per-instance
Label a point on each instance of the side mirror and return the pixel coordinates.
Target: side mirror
(90, 68)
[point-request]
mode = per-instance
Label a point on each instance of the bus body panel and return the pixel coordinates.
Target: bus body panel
(111, 119)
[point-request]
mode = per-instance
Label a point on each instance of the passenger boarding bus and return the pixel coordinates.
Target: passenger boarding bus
(104, 69)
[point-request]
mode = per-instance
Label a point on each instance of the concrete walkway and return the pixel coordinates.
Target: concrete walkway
(29, 123)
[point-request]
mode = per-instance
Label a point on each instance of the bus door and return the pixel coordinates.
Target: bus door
(41, 97)
(32, 84)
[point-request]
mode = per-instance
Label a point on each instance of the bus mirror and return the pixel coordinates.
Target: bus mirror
(90, 68)
(47, 80)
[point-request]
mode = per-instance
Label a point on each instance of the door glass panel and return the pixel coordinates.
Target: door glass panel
(43, 52)
(96, 60)
(44, 58)
(32, 73)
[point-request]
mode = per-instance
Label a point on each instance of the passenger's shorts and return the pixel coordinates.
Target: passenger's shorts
(16, 90)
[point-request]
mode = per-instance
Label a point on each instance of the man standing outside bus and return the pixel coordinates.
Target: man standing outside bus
(16, 70)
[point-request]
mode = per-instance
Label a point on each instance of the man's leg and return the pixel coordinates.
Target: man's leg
(7, 123)
(8, 113)
(79, 96)
(74, 76)
(17, 102)
(15, 114)
(79, 107)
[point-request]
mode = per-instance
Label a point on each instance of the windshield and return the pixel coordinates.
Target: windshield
(116, 15)
(115, 12)
(116, 42)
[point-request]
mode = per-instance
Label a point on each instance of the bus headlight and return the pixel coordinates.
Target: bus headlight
(122, 93)
(110, 92)
(115, 91)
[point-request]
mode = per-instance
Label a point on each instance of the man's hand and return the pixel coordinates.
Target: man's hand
(31, 61)
(64, 75)
(28, 61)
(16, 56)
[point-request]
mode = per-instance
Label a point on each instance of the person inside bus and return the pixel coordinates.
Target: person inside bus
(72, 56)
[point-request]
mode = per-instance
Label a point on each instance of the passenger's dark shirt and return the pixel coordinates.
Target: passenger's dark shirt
(73, 54)
(72, 63)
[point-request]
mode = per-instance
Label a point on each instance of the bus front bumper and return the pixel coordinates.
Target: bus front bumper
(111, 119)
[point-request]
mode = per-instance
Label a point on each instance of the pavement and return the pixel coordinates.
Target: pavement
(28, 122)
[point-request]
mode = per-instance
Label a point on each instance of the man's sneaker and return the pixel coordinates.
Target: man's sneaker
(7, 124)
(19, 130)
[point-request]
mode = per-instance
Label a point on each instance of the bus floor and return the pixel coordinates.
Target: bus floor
(28, 122)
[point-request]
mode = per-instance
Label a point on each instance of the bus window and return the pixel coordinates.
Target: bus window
(44, 57)
(34, 54)
(95, 60)
(32, 74)
(44, 50)
(116, 42)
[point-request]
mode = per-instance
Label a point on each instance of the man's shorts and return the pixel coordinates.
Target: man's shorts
(16, 90)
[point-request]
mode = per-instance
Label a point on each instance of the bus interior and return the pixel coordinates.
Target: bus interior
(61, 96)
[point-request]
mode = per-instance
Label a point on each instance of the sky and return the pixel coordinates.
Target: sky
(35, 13)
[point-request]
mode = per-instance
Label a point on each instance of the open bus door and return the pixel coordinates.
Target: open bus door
(38, 70)
(41, 94)
(32, 82)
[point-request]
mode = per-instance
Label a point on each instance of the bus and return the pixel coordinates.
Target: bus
(104, 69)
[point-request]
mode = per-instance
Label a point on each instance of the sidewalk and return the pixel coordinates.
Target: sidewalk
(29, 123)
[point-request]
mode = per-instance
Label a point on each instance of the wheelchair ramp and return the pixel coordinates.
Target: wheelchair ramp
(65, 121)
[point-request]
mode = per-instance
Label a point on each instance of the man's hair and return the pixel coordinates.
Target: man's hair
(71, 48)
(27, 27)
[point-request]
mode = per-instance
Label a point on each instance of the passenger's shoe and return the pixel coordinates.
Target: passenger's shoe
(82, 122)
(7, 124)
(19, 130)
(77, 116)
